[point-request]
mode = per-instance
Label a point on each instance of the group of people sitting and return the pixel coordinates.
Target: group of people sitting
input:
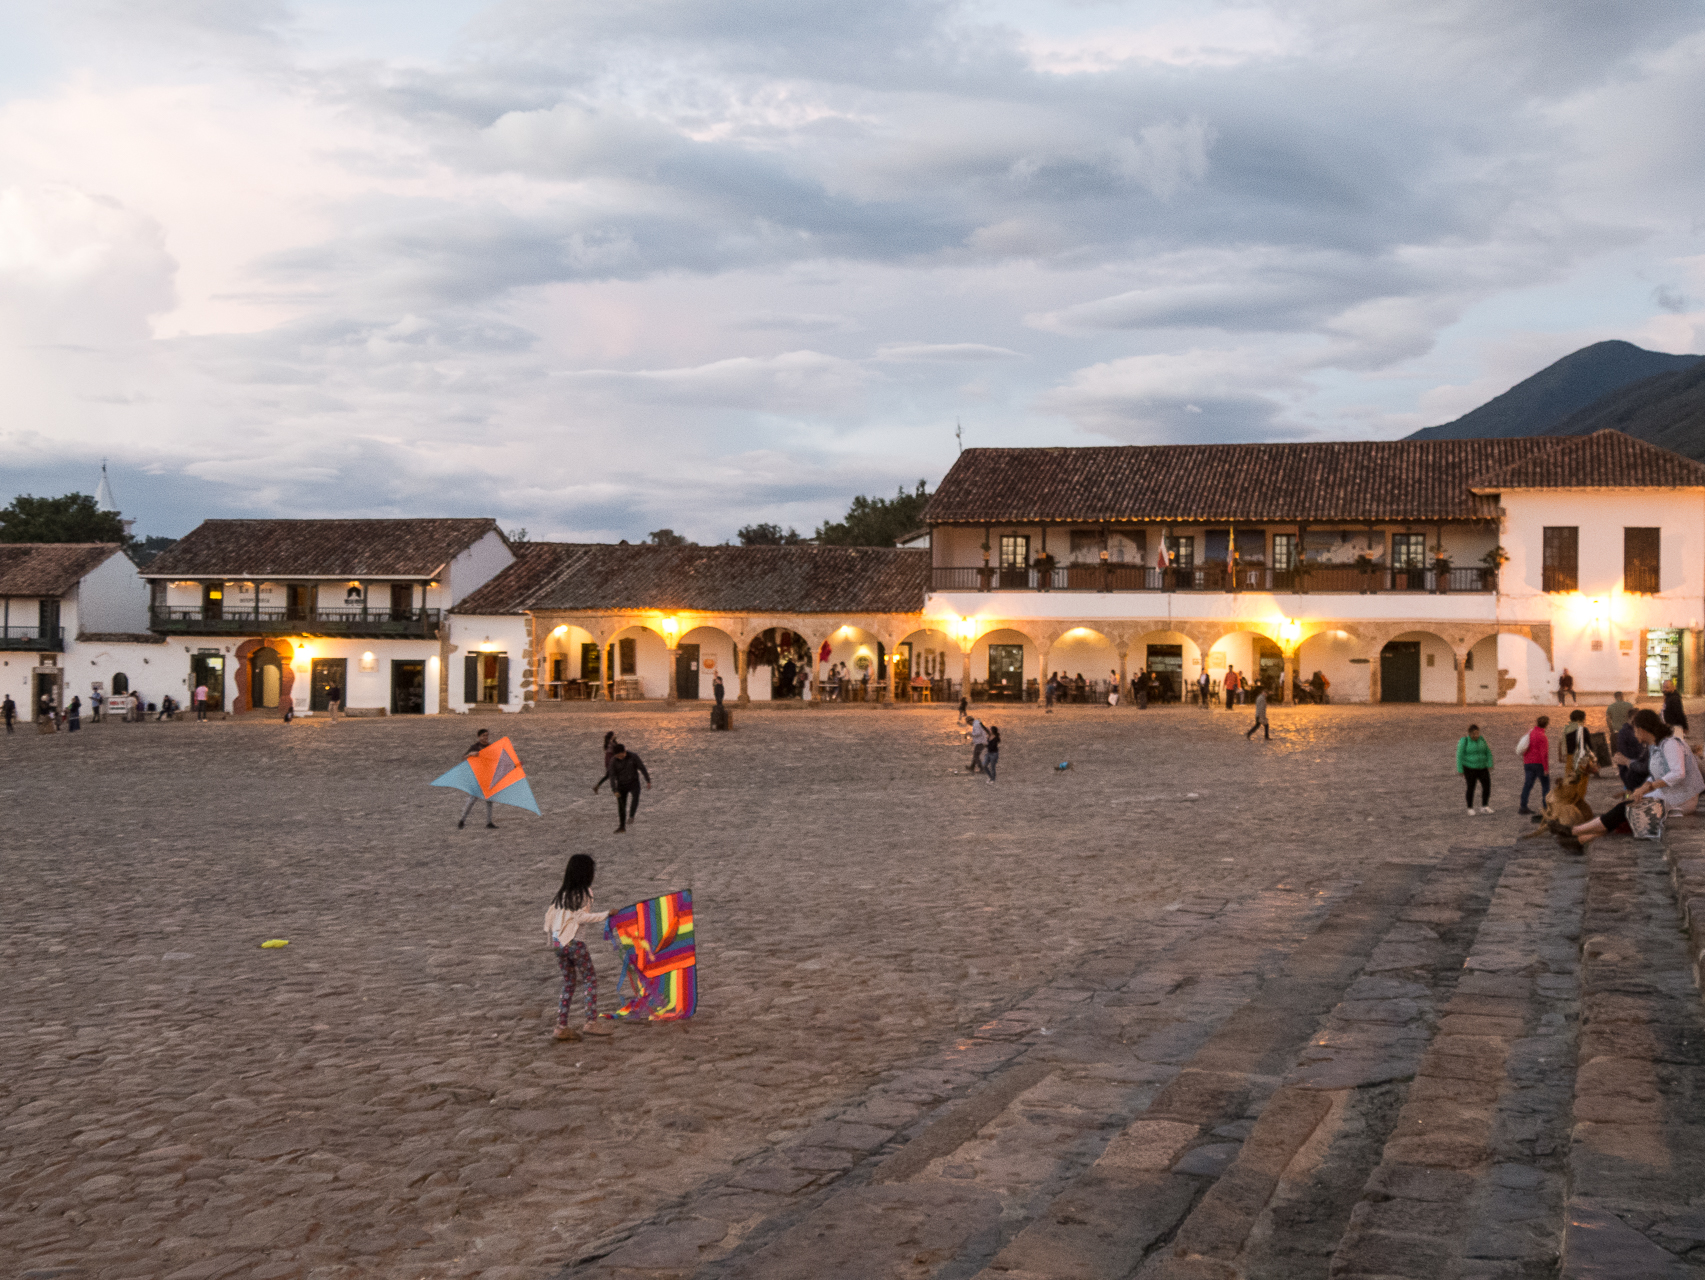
(1657, 767)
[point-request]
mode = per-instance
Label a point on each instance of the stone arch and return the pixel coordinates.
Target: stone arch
(1436, 667)
(1153, 650)
(764, 679)
(1003, 637)
(281, 652)
(929, 654)
(650, 658)
(1256, 653)
(1087, 649)
(561, 655)
(716, 650)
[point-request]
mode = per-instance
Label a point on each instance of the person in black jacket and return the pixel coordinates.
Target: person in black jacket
(623, 774)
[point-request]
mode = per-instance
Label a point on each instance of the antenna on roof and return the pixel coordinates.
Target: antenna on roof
(959, 434)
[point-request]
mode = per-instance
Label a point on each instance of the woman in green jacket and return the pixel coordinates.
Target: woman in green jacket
(1474, 763)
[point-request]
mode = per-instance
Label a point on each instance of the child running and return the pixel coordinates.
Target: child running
(567, 912)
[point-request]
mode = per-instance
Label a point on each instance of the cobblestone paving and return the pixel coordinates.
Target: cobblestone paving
(879, 935)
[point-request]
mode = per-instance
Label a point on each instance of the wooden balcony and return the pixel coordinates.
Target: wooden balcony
(363, 624)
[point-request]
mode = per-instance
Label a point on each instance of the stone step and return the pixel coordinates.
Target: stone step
(939, 1159)
(1636, 1161)
(1199, 1164)
(1471, 1179)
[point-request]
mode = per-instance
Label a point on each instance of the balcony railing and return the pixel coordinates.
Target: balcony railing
(379, 624)
(32, 639)
(1335, 579)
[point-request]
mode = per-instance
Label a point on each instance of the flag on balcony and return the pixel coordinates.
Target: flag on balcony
(656, 943)
(493, 774)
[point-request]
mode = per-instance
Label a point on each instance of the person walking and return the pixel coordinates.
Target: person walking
(1140, 688)
(1566, 687)
(200, 698)
(1260, 717)
(979, 744)
(804, 685)
(1617, 714)
(570, 909)
(964, 708)
(623, 776)
(1204, 691)
(74, 715)
(716, 687)
(1229, 687)
(1474, 763)
(992, 753)
(334, 697)
(1112, 688)
(482, 740)
(1535, 749)
(1050, 691)
(8, 712)
(1674, 714)
(96, 701)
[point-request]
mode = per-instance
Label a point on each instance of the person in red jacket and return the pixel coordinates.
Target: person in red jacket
(1536, 763)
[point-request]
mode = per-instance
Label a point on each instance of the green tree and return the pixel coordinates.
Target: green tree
(877, 522)
(667, 538)
(73, 518)
(143, 550)
(769, 535)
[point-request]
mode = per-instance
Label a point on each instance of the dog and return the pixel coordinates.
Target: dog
(1566, 805)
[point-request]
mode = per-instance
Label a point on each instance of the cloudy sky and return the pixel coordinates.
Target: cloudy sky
(598, 266)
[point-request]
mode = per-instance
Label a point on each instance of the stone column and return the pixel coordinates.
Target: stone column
(1373, 676)
(1640, 667)
(1042, 653)
(965, 672)
(674, 672)
(740, 671)
(1124, 653)
(1693, 652)
(1461, 682)
(1293, 673)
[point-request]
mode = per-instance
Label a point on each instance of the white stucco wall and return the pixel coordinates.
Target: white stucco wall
(1481, 678)
(476, 566)
(495, 633)
(112, 597)
(1524, 662)
(1332, 653)
(716, 657)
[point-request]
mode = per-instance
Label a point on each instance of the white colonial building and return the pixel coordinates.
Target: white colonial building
(1469, 571)
(73, 620)
(281, 613)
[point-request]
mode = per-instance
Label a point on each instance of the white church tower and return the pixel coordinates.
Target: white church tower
(104, 499)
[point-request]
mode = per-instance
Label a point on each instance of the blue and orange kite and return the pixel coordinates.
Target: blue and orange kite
(493, 774)
(655, 941)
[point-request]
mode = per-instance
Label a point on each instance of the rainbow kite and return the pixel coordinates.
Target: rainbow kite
(494, 774)
(655, 941)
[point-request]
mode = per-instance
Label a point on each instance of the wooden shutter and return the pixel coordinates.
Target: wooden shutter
(1561, 568)
(503, 678)
(1640, 563)
(471, 678)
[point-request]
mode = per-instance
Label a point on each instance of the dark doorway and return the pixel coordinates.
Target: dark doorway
(208, 669)
(589, 663)
(48, 683)
(298, 602)
(485, 678)
(402, 601)
(1167, 662)
(1006, 671)
(266, 676)
(1270, 661)
(328, 674)
(1400, 671)
(902, 670)
(687, 671)
(212, 602)
(408, 688)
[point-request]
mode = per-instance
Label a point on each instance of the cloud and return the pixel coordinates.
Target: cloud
(942, 353)
(1203, 395)
(796, 381)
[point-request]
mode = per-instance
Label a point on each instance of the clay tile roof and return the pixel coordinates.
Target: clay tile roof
(573, 577)
(49, 568)
(1603, 460)
(1396, 480)
(318, 548)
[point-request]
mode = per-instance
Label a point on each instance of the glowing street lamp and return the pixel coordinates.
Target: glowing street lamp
(671, 629)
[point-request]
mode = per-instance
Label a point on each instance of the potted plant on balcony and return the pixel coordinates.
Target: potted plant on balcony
(1045, 571)
(1365, 567)
(1441, 573)
(1494, 560)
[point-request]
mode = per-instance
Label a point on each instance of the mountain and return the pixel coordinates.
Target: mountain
(1558, 392)
(1667, 409)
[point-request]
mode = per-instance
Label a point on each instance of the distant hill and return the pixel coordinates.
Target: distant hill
(1666, 410)
(1577, 383)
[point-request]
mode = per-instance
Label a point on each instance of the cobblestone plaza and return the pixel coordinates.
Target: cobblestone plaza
(1196, 1005)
